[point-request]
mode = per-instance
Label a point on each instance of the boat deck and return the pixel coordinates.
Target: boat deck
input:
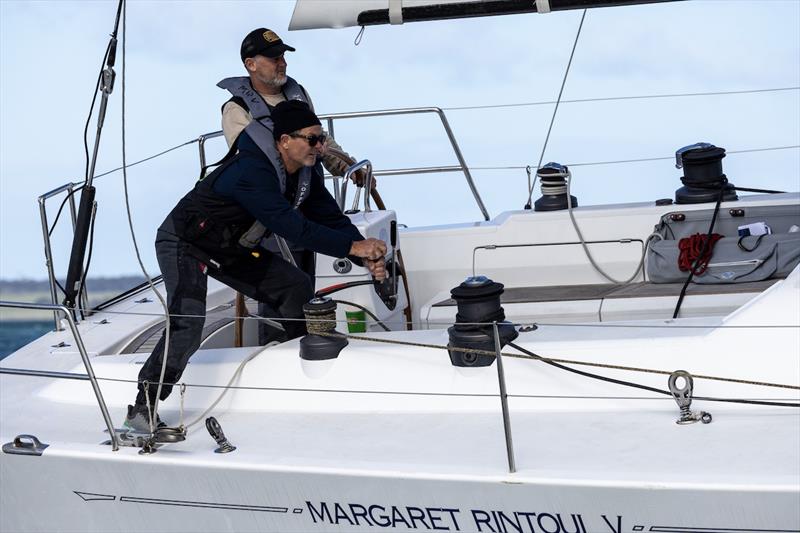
(599, 291)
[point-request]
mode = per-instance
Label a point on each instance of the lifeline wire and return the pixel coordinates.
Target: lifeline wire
(555, 109)
(526, 354)
(548, 324)
(645, 387)
(557, 360)
(395, 393)
(539, 357)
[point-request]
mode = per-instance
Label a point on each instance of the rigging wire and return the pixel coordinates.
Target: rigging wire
(154, 413)
(618, 98)
(641, 160)
(555, 109)
(154, 156)
(61, 208)
(496, 167)
(108, 55)
(91, 111)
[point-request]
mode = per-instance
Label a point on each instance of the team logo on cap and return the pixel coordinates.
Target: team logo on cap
(270, 36)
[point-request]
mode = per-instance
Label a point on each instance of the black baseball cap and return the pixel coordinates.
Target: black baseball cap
(263, 42)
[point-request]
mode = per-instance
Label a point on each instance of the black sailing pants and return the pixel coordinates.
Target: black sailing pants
(267, 279)
(305, 261)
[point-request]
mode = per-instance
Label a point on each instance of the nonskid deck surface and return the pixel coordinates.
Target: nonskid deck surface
(629, 447)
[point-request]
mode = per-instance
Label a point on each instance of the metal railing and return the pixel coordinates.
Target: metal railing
(491, 247)
(367, 186)
(201, 145)
(71, 188)
(330, 118)
(84, 356)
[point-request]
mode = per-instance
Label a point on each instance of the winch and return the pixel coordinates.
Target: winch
(323, 341)
(553, 178)
(702, 175)
(478, 301)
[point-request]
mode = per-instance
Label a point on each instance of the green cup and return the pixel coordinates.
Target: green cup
(356, 321)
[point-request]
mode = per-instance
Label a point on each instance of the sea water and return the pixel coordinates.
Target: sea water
(17, 333)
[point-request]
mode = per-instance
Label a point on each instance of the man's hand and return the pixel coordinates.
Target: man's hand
(359, 177)
(371, 249)
(377, 268)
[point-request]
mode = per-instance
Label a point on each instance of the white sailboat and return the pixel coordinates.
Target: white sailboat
(585, 406)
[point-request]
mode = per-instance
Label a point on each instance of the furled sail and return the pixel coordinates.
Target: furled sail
(311, 14)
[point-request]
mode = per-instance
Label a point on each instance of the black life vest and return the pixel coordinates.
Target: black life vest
(260, 130)
(219, 226)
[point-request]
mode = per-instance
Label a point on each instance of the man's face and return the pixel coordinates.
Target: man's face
(267, 70)
(298, 148)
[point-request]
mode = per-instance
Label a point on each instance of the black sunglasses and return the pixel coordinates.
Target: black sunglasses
(312, 139)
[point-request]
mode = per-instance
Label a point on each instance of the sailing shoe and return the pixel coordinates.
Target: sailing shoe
(138, 420)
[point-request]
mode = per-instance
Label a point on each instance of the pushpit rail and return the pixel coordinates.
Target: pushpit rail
(70, 188)
(330, 118)
(62, 375)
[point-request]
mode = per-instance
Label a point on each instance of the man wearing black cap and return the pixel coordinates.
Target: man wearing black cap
(262, 53)
(217, 228)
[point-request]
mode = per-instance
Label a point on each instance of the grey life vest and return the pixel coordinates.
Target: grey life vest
(260, 130)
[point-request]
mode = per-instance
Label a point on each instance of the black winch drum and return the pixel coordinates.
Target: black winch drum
(478, 301)
(702, 175)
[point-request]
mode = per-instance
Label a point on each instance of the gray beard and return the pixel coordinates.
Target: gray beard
(276, 82)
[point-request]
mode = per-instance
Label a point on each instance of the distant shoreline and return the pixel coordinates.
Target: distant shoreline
(38, 291)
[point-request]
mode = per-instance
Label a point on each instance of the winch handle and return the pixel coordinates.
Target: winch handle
(393, 242)
(342, 286)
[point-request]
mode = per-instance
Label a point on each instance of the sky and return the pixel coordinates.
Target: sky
(176, 51)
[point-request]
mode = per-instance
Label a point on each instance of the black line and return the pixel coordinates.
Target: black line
(101, 497)
(182, 503)
(687, 529)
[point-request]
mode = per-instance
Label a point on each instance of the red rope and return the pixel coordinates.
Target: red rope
(690, 250)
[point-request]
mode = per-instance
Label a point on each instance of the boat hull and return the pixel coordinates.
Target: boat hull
(126, 491)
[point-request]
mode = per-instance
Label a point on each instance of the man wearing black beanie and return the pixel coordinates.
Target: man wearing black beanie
(271, 185)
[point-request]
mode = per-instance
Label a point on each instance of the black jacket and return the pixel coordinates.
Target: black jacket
(225, 204)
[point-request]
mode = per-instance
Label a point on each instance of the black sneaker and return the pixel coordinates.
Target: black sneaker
(138, 419)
